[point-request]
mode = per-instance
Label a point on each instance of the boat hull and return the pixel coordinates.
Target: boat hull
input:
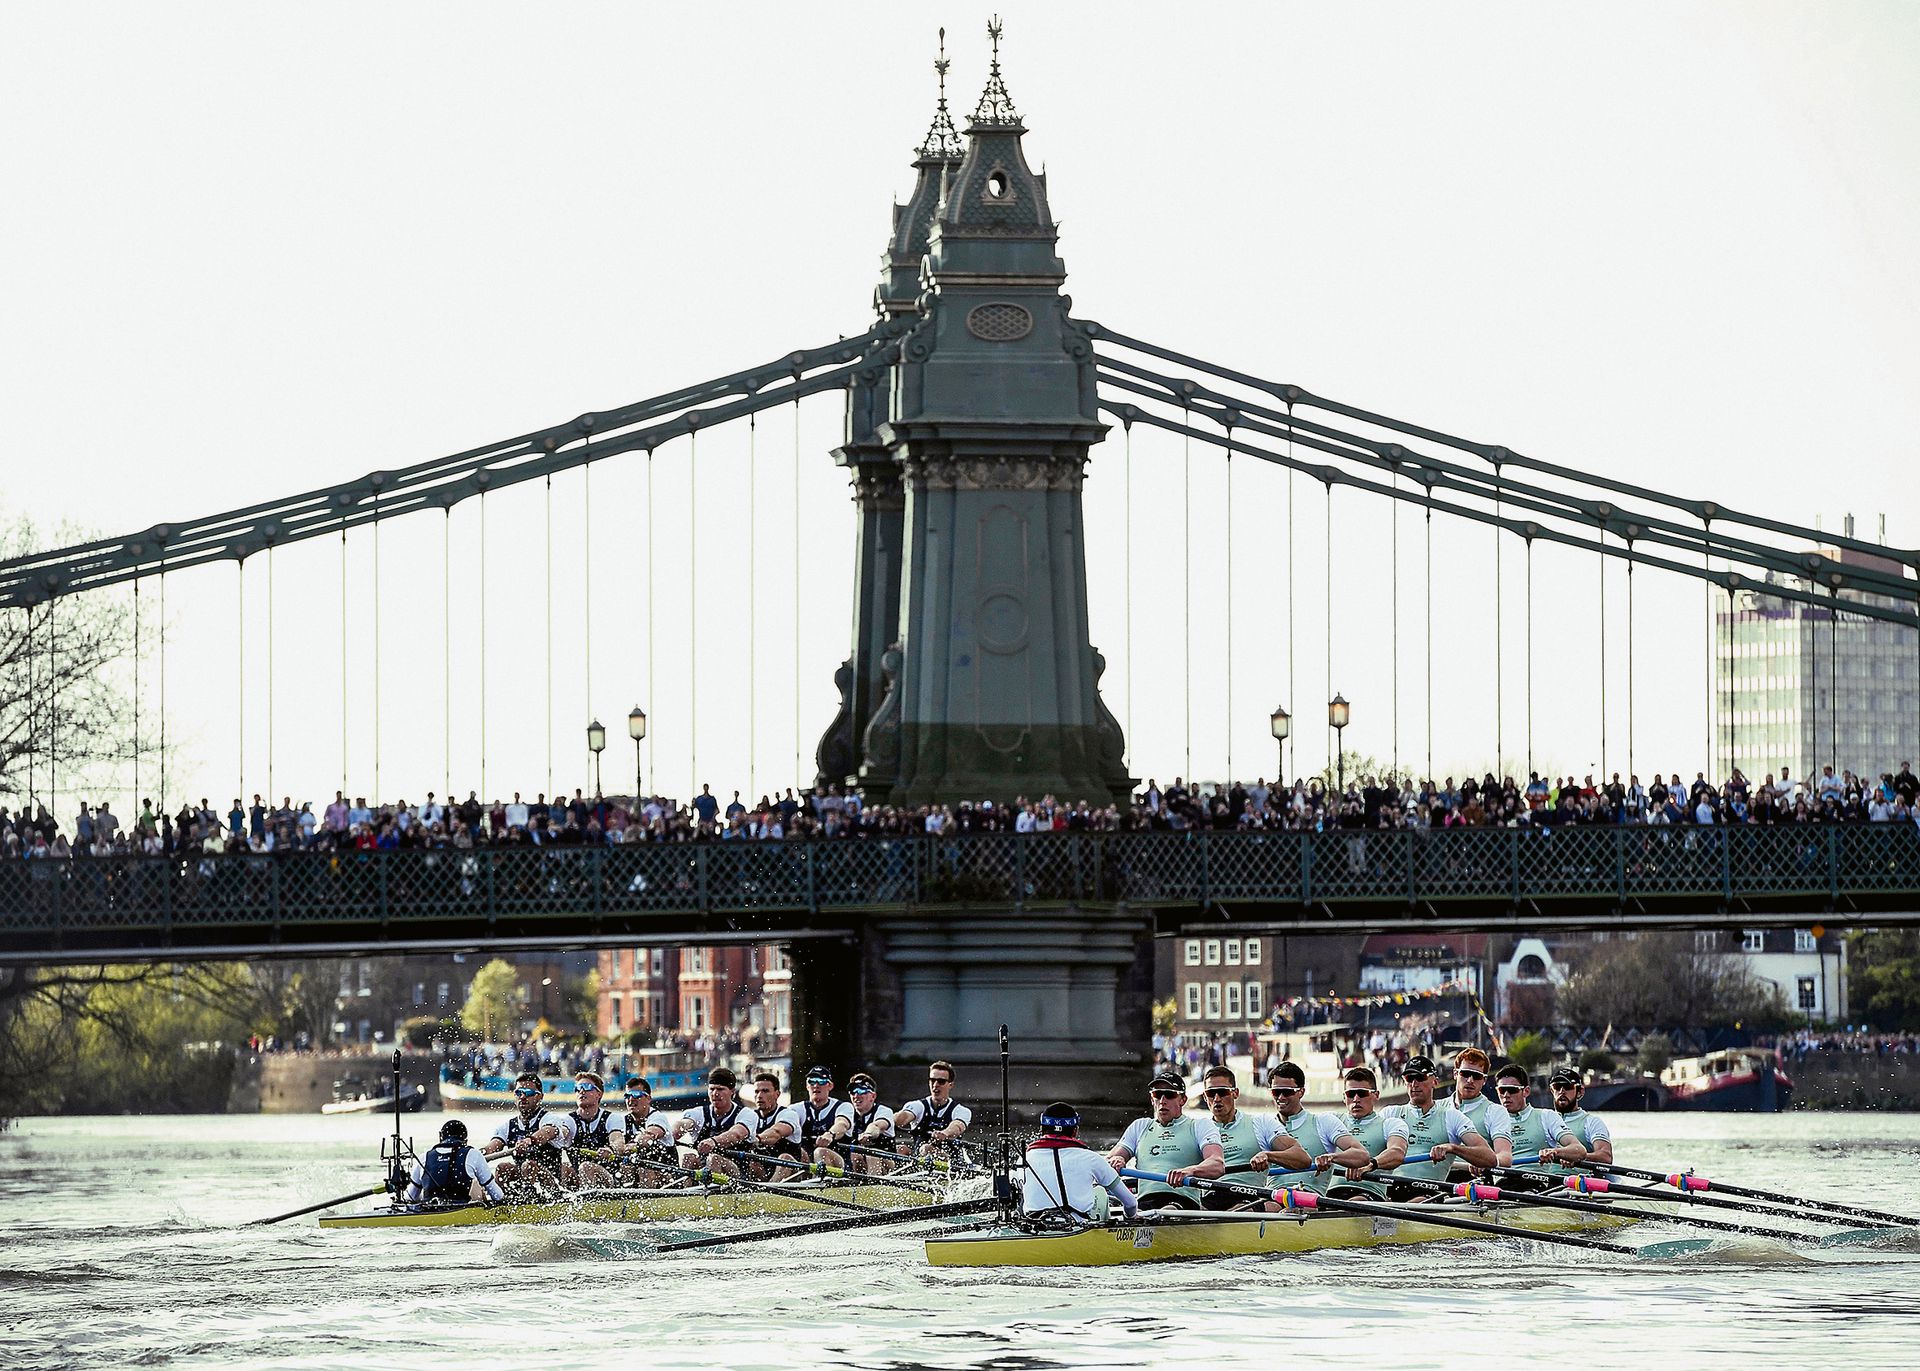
(641, 1206)
(1189, 1237)
(408, 1104)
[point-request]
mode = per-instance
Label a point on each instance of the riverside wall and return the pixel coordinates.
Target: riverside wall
(300, 1082)
(1855, 1080)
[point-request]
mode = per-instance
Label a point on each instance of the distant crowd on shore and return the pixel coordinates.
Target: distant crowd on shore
(1803, 1044)
(830, 812)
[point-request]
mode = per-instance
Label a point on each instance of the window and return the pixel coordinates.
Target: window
(1253, 999)
(1233, 952)
(1193, 999)
(658, 962)
(1213, 952)
(1706, 942)
(1753, 940)
(776, 961)
(753, 961)
(1802, 940)
(419, 992)
(1213, 999)
(1233, 999)
(613, 1013)
(1808, 997)
(1193, 952)
(1253, 952)
(639, 963)
(442, 999)
(637, 1009)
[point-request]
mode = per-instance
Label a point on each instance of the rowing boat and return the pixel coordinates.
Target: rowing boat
(638, 1206)
(1179, 1235)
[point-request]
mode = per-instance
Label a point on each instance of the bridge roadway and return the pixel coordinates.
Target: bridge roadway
(300, 903)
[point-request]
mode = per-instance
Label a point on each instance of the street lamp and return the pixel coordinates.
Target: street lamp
(596, 744)
(1337, 710)
(1282, 725)
(636, 729)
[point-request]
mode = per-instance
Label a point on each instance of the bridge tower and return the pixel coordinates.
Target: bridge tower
(970, 464)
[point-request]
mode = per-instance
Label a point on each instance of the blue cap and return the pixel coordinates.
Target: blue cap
(819, 1074)
(1059, 1116)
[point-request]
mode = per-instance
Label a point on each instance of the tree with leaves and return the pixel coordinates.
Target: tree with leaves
(492, 1008)
(1666, 980)
(1883, 977)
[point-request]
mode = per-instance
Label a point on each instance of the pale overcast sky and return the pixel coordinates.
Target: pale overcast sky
(254, 249)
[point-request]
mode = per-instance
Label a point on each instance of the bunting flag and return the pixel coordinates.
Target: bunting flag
(1460, 986)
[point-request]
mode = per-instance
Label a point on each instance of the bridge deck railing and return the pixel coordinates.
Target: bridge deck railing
(1826, 863)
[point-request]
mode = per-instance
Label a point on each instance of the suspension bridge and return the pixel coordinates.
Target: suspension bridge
(973, 406)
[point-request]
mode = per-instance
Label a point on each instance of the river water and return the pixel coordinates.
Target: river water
(120, 1246)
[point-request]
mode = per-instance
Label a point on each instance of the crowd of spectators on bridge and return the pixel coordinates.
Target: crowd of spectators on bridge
(1798, 1046)
(829, 812)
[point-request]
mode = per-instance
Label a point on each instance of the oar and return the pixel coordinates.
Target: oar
(1293, 1198)
(1688, 1184)
(825, 1172)
(1493, 1192)
(709, 1177)
(380, 1189)
(872, 1219)
(931, 1163)
(1595, 1185)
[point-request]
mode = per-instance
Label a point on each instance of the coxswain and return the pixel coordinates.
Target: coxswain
(533, 1135)
(640, 1138)
(812, 1126)
(1538, 1133)
(1243, 1136)
(1592, 1131)
(1470, 1073)
(590, 1152)
(1434, 1127)
(1377, 1134)
(1065, 1180)
(1315, 1137)
(1170, 1142)
(934, 1122)
(452, 1172)
(722, 1122)
(872, 1124)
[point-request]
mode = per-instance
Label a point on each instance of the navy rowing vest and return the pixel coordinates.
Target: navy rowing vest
(813, 1124)
(590, 1135)
(445, 1168)
(710, 1127)
(933, 1118)
(518, 1128)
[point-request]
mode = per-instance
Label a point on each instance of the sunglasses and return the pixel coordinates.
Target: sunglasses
(580, 1087)
(939, 1080)
(1166, 1094)
(526, 1094)
(1413, 1076)
(1219, 1092)
(862, 1090)
(1467, 1075)
(1360, 1094)
(1284, 1089)
(1512, 1089)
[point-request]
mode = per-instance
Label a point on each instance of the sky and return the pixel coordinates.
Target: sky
(255, 249)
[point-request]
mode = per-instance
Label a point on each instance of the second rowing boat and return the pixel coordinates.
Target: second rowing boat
(637, 1206)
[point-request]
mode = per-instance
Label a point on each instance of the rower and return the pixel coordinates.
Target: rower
(1592, 1131)
(1168, 1141)
(452, 1172)
(1377, 1134)
(720, 1123)
(1065, 1179)
(1536, 1132)
(872, 1123)
(642, 1137)
(1470, 1071)
(1304, 1138)
(934, 1122)
(1434, 1127)
(590, 1149)
(534, 1136)
(1243, 1136)
(812, 1125)
(766, 1112)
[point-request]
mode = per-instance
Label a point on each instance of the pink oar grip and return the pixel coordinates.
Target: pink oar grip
(1589, 1185)
(1680, 1180)
(1470, 1191)
(1289, 1198)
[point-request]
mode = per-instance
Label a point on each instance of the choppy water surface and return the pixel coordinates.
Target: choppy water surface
(120, 1246)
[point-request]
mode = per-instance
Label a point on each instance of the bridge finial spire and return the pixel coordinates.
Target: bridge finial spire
(996, 106)
(942, 142)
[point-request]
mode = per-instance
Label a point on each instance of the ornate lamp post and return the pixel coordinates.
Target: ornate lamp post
(637, 730)
(1337, 710)
(596, 744)
(1282, 726)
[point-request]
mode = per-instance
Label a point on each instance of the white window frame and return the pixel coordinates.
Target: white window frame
(1803, 941)
(1213, 952)
(1252, 999)
(1232, 993)
(1253, 952)
(1192, 1005)
(613, 1012)
(1213, 999)
(1808, 994)
(1232, 950)
(1753, 940)
(1193, 952)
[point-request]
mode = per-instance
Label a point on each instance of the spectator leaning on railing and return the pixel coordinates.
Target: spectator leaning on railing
(1368, 803)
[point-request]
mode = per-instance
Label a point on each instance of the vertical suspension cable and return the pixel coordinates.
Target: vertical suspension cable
(1630, 685)
(1706, 592)
(343, 663)
(1499, 642)
(446, 654)
(33, 712)
(134, 806)
(379, 795)
(1833, 674)
(1293, 701)
(1229, 776)
(53, 714)
(1333, 739)
(1529, 658)
(652, 699)
(798, 773)
(240, 748)
(1127, 563)
(1427, 480)
(483, 644)
(1729, 696)
(549, 660)
(269, 671)
(1812, 681)
(1186, 571)
(1394, 514)
(693, 615)
(1603, 654)
(753, 606)
(163, 682)
(586, 593)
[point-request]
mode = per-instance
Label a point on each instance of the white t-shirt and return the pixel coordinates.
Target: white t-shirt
(478, 1167)
(1205, 1132)
(1086, 1174)
(916, 1110)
